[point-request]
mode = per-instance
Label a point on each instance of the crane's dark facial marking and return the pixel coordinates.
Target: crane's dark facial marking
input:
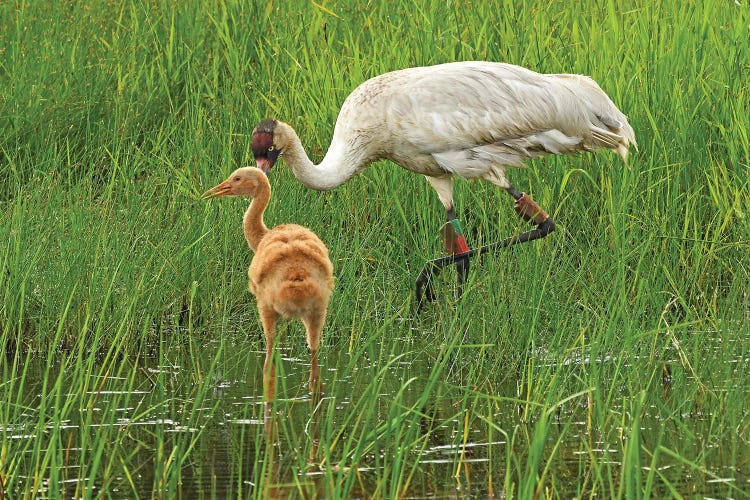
(264, 150)
(262, 142)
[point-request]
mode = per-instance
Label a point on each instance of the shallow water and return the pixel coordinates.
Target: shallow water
(233, 448)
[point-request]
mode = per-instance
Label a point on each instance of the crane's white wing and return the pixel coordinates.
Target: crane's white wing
(470, 116)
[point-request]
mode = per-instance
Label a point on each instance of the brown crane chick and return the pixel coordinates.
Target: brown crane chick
(290, 275)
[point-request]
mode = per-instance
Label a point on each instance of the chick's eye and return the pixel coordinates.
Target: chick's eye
(236, 179)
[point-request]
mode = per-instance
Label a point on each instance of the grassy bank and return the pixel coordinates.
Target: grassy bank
(608, 359)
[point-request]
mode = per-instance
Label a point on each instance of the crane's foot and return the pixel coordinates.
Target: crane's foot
(425, 290)
(526, 208)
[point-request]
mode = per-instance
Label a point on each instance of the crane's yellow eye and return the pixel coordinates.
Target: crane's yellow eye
(270, 149)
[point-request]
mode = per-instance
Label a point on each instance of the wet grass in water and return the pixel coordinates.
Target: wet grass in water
(609, 359)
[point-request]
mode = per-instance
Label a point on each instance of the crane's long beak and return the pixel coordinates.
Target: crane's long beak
(223, 189)
(263, 163)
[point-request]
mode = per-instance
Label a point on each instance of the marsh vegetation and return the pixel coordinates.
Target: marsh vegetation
(610, 359)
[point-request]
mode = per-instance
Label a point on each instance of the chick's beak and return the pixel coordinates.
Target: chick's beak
(222, 189)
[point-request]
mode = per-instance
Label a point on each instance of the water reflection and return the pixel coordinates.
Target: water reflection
(273, 485)
(232, 440)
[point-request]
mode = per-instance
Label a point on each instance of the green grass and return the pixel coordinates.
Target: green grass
(132, 350)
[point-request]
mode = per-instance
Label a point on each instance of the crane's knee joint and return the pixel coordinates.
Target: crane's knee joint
(528, 210)
(516, 194)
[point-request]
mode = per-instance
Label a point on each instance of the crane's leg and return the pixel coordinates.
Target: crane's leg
(268, 317)
(455, 244)
(529, 211)
(458, 253)
(525, 207)
(314, 326)
(453, 237)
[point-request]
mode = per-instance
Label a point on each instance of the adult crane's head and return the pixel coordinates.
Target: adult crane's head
(267, 144)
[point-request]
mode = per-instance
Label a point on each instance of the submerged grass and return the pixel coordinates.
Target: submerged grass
(609, 359)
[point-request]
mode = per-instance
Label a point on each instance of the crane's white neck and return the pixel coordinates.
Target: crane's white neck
(340, 164)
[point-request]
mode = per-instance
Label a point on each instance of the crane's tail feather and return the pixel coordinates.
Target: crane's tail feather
(608, 125)
(617, 138)
(627, 137)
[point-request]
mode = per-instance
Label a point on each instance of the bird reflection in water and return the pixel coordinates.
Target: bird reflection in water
(273, 484)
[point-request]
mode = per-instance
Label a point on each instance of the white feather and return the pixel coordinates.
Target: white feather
(469, 119)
